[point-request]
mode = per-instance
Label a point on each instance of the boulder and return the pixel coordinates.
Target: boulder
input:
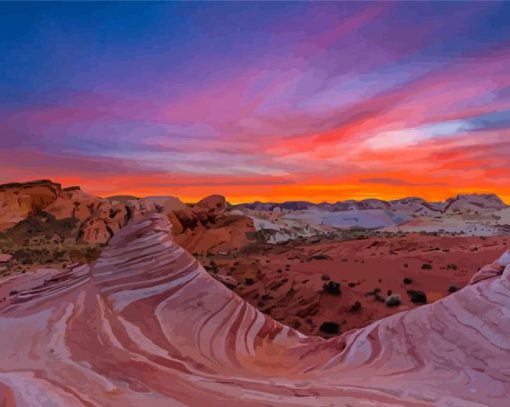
(213, 203)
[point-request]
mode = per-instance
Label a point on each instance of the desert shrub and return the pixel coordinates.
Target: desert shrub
(376, 293)
(417, 297)
(332, 288)
(320, 257)
(330, 328)
(356, 307)
(393, 300)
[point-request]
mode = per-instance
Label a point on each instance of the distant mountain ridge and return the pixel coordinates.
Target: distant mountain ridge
(461, 201)
(213, 224)
(469, 214)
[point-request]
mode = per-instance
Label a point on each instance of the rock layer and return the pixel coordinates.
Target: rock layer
(146, 325)
(18, 201)
(204, 226)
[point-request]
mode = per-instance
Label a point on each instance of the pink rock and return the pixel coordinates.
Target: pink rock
(146, 325)
(4, 258)
(492, 270)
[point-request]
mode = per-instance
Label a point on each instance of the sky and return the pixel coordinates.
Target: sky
(268, 101)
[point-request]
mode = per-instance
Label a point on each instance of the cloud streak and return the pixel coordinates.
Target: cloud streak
(305, 101)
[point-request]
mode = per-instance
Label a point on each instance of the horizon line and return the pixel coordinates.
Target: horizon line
(233, 201)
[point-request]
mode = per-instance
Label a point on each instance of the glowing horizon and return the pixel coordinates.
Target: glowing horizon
(268, 101)
(138, 192)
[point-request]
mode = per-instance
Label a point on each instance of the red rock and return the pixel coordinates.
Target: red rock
(146, 325)
(20, 200)
(213, 203)
(5, 258)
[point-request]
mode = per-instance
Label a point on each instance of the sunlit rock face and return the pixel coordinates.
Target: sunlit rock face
(18, 201)
(86, 220)
(96, 219)
(147, 326)
(474, 203)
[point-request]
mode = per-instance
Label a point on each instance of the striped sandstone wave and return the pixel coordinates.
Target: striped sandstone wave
(147, 326)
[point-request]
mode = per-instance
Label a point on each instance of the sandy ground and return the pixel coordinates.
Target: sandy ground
(287, 280)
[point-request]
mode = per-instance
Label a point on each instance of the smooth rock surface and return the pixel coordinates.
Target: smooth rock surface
(147, 326)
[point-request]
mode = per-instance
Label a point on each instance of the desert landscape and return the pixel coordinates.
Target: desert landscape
(254, 204)
(125, 315)
(317, 278)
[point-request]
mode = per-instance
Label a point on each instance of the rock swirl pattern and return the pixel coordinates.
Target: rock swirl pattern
(147, 326)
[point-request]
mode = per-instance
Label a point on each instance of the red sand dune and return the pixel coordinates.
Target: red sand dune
(147, 326)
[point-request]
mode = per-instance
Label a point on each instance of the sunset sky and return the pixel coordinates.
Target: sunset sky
(258, 101)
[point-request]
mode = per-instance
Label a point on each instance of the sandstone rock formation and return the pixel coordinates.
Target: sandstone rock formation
(96, 219)
(474, 203)
(207, 227)
(204, 225)
(18, 201)
(146, 325)
(221, 234)
(213, 203)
